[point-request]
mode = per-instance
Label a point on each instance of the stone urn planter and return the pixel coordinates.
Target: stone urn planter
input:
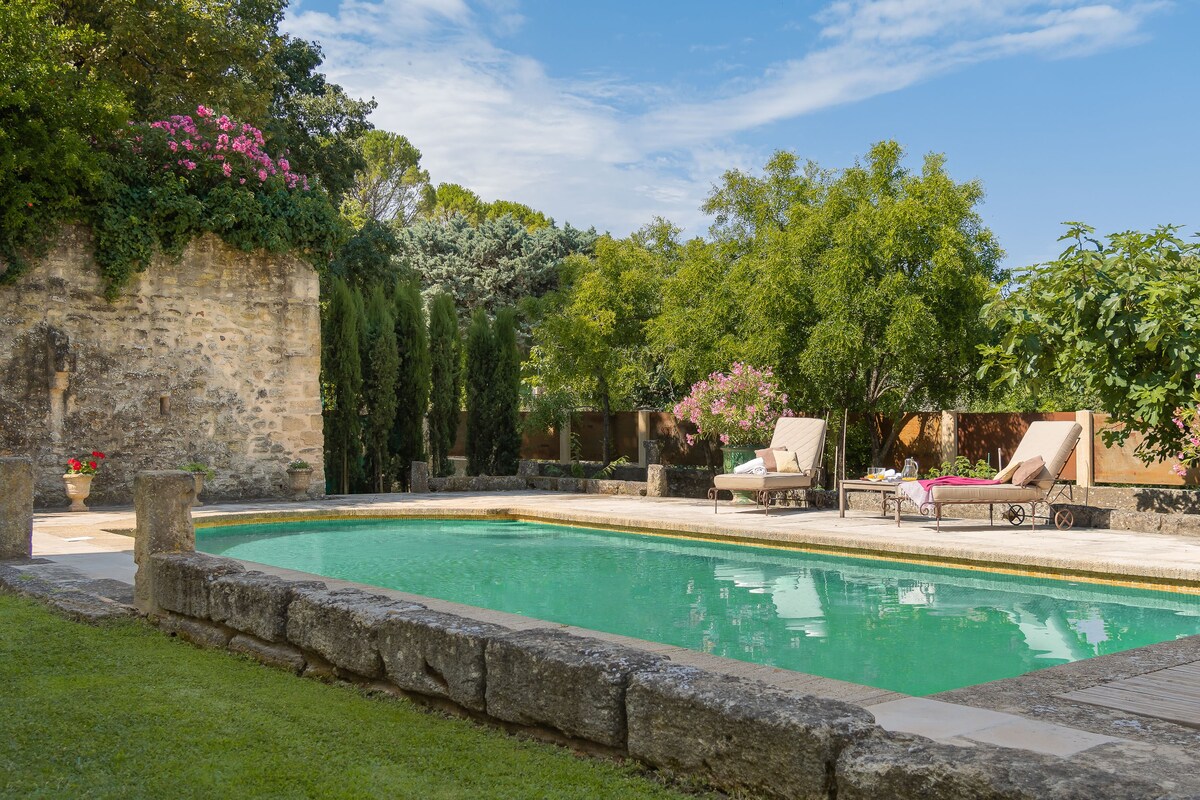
(299, 481)
(198, 477)
(78, 486)
(736, 456)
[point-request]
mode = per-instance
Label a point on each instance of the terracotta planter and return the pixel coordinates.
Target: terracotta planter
(735, 456)
(198, 477)
(300, 480)
(78, 486)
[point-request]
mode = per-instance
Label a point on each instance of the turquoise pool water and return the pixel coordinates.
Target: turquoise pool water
(911, 629)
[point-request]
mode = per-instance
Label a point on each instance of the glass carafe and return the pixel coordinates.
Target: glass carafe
(910, 469)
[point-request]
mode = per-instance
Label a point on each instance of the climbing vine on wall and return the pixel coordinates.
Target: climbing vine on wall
(191, 174)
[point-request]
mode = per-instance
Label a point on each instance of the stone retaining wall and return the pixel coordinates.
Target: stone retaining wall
(739, 735)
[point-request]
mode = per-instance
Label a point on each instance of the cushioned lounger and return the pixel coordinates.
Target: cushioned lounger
(1051, 440)
(802, 435)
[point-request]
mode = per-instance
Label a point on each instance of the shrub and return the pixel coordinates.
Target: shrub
(738, 408)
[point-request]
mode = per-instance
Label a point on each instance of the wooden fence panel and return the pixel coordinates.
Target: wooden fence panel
(1121, 465)
(980, 434)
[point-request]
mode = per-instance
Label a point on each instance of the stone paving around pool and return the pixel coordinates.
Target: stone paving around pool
(1026, 712)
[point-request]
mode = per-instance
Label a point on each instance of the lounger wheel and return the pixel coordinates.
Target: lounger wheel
(1064, 518)
(1015, 515)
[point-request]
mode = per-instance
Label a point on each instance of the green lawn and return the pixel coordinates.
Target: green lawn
(124, 711)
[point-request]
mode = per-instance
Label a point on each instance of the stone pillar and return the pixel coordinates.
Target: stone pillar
(643, 435)
(656, 481)
(418, 479)
(564, 443)
(949, 436)
(652, 451)
(162, 501)
(16, 508)
(1085, 451)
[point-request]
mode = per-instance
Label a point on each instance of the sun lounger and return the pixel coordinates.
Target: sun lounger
(802, 435)
(1054, 442)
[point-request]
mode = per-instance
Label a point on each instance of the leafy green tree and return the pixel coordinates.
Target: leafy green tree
(392, 187)
(51, 110)
(367, 256)
(529, 217)
(453, 200)
(492, 265)
(591, 342)
(342, 385)
(380, 375)
(1117, 320)
(506, 394)
(445, 382)
(861, 288)
(480, 395)
(413, 380)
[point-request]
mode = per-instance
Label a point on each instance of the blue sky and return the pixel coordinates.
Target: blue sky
(609, 113)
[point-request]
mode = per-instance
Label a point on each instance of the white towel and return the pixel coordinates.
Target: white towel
(919, 496)
(749, 467)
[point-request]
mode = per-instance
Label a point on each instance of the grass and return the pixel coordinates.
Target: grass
(123, 711)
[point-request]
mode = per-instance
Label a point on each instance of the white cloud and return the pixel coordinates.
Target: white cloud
(609, 151)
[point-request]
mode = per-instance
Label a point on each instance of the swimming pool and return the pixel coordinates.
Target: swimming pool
(912, 629)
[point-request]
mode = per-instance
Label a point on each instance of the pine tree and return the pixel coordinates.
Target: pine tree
(380, 370)
(481, 411)
(506, 395)
(342, 382)
(407, 443)
(445, 360)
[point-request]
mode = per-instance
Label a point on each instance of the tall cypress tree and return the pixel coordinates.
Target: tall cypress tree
(445, 361)
(481, 412)
(342, 367)
(506, 395)
(407, 442)
(381, 366)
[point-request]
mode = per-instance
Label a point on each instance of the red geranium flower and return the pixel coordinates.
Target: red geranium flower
(97, 454)
(92, 464)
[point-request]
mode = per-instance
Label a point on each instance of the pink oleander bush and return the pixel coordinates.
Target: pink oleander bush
(173, 179)
(1188, 421)
(737, 408)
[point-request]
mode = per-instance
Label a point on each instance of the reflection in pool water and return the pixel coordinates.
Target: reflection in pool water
(911, 629)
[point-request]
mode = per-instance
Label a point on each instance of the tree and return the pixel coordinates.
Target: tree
(494, 264)
(412, 381)
(506, 395)
(861, 288)
(341, 385)
(381, 371)
(591, 342)
(451, 200)
(391, 188)
(480, 380)
(366, 257)
(51, 110)
(445, 359)
(1116, 320)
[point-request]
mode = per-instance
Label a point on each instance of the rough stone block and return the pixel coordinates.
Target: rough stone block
(196, 631)
(528, 469)
(342, 626)
(904, 767)
(273, 654)
(438, 654)
(255, 603)
(182, 581)
(162, 502)
(656, 481)
(16, 508)
(418, 481)
(743, 734)
(569, 485)
(573, 684)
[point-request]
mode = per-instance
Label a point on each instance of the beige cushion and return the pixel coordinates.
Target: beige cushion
(773, 481)
(1029, 470)
(804, 436)
(1053, 441)
(1006, 473)
(768, 457)
(986, 493)
(785, 461)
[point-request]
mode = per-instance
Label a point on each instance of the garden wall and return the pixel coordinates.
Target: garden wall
(214, 357)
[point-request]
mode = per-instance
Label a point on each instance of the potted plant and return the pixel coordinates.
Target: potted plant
(300, 474)
(78, 479)
(199, 471)
(737, 408)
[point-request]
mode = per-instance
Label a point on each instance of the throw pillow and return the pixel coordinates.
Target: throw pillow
(768, 457)
(785, 461)
(1005, 474)
(1028, 471)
